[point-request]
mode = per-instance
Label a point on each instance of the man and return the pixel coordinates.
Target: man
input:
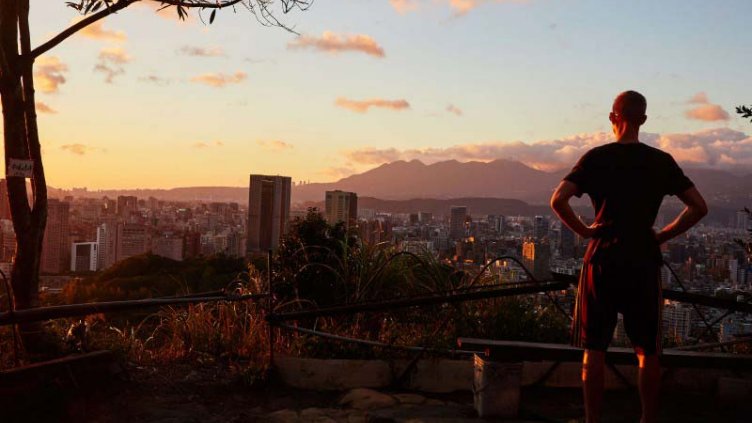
(626, 181)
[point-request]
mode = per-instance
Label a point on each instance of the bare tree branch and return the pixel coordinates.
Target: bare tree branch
(83, 23)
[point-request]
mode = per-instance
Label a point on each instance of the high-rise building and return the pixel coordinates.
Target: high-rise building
(537, 257)
(677, 321)
(425, 217)
(742, 220)
(566, 242)
(55, 246)
(126, 205)
(106, 244)
(268, 212)
(341, 206)
(457, 219)
(540, 228)
(132, 240)
(84, 257)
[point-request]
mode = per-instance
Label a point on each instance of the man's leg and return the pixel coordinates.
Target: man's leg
(650, 384)
(593, 363)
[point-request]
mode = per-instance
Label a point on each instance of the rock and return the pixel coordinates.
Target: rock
(410, 398)
(367, 399)
(282, 416)
(320, 415)
(356, 416)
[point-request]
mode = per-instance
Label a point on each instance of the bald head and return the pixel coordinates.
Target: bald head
(631, 107)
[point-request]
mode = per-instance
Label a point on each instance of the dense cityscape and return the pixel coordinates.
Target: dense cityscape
(87, 235)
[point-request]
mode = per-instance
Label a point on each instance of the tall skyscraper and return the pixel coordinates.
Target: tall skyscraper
(268, 212)
(540, 227)
(457, 218)
(566, 242)
(106, 244)
(537, 257)
(56, 246)
(341, 206)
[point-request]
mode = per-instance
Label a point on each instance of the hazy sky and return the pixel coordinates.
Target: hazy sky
(142, 100)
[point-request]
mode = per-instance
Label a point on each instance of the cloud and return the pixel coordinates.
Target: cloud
(44, 108)
(705, 110)
(110, 63)
(275, 145)
(48, 74)
(458, 7)
(97, 31)
(404, 6)
(708, 113)
(714, 148)
(154, 79)
(362, 106)
(337, 43)
(219, 80)
(699, 98)
(80, 149)
(202, 51)
(454, 109)
(202, 144)
(720, 148)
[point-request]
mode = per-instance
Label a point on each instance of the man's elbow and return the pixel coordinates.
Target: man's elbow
(702, 210)
(557, 202)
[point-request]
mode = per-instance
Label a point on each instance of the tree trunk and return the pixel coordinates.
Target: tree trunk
(21, 142)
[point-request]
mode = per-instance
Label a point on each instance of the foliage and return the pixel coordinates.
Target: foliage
(744, 111)
(149, 275)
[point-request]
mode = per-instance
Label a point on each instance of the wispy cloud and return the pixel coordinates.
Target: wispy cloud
(720, 148)
(44, 108)
(202, 51)
(404, 6)
(454, 109)
(49, 74)
(275, 145)
(210, 144)
(458, 7)
(154, 79)
(705, 110)
(219, 80)
(110, 63)
(362, 106)
(331, 42)
(97, 31)
(80, 149)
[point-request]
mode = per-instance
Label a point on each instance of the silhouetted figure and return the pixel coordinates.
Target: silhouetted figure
(626, 181)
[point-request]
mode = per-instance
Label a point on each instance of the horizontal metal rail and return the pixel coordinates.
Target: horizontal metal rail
(704, 300)
(419, 301)
(76, 310)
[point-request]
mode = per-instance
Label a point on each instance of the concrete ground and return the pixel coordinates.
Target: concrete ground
(209, 395)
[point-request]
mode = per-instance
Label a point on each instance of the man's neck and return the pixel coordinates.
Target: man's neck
(629, 136)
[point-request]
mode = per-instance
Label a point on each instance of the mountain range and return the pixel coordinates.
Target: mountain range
(403, 180)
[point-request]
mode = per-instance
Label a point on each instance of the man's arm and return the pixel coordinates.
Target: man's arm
(695, 210)
(560, 206)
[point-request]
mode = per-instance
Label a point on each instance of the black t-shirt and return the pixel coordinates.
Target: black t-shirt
(627, 183)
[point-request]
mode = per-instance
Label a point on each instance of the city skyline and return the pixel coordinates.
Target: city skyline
(388, 80)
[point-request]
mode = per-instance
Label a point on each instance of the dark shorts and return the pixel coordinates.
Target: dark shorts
(632, 289)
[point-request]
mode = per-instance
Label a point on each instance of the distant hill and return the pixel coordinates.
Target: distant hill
(439, 207)
(403, 180)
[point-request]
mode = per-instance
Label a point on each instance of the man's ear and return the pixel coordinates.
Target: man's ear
(643, 119)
